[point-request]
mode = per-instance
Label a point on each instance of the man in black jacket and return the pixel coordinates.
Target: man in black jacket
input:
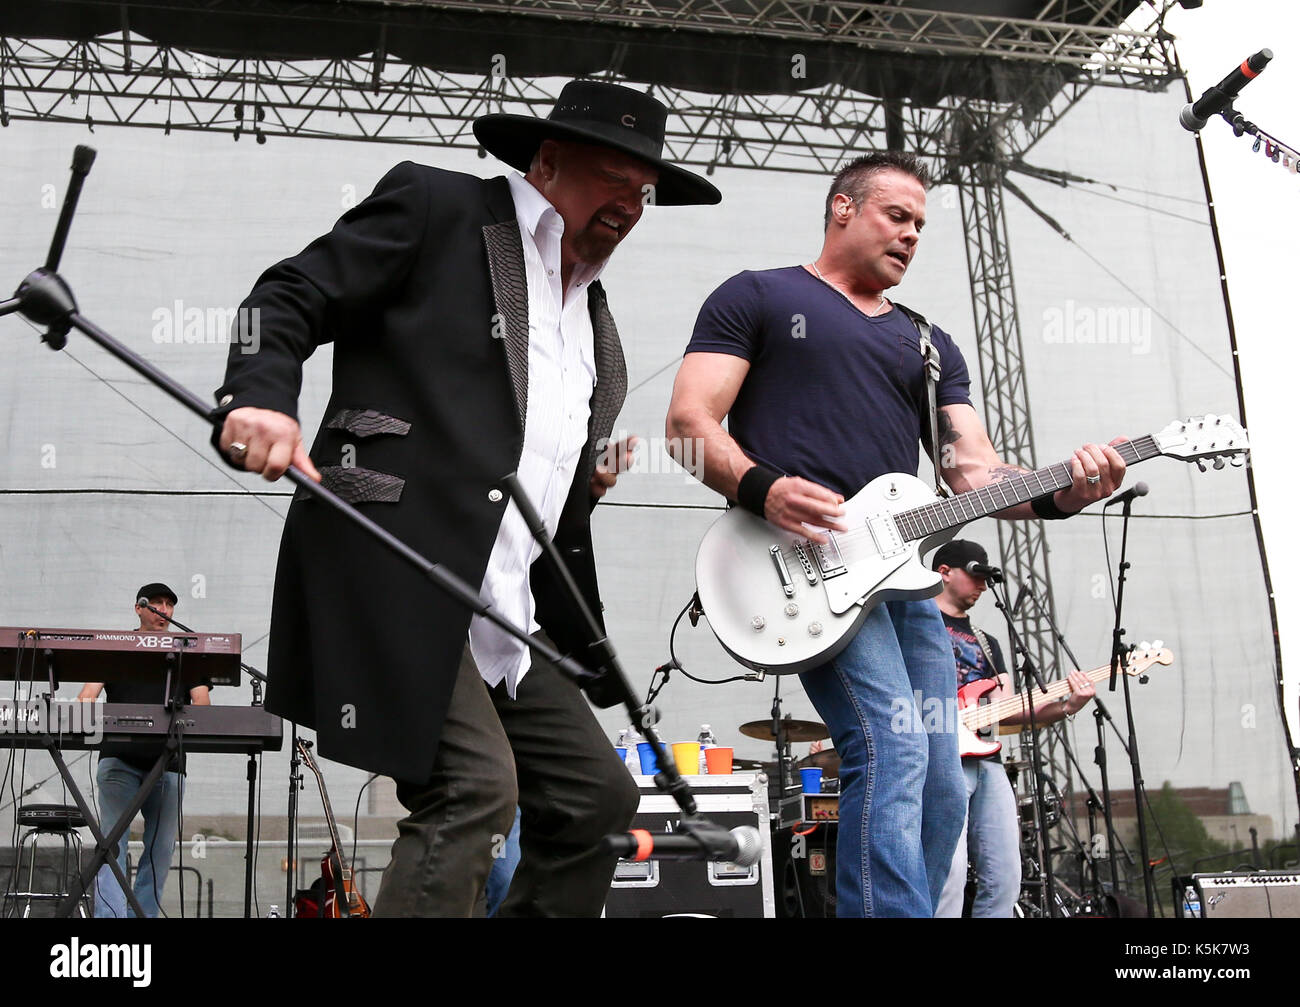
(472, 339)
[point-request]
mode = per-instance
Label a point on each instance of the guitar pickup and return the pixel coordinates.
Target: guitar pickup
(884, 530)
(782, 571)
(829, 558)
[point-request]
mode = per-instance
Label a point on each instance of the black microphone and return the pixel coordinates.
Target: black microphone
(741, 846)
(977, 569)
(1219, 97)
(1138, 490)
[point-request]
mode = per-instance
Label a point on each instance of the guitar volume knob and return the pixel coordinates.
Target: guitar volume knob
(814, 629)
(758, 623)
(792, 610)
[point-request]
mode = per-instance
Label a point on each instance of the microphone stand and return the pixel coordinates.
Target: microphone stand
(1029, 674)
(1100, 715)
(256, 678)
(1117, 650)
(1241, 126)
(713, 840)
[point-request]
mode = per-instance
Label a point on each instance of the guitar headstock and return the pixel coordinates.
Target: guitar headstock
(1144, 655)
(1200, 437)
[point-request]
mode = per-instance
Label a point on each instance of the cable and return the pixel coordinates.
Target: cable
(257, 842)
(674, 664)
(356, 821)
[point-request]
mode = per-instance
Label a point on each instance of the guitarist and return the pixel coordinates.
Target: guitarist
(822, 384)
(992, 835)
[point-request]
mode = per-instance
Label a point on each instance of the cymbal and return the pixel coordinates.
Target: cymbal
(827, 760)
(794, 730)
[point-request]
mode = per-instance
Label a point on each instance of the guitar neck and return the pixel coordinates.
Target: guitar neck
(994, 713)
(325, 803)
(953, 512)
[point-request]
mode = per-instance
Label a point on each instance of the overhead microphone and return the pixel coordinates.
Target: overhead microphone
(1219, 97)
(1138, 490)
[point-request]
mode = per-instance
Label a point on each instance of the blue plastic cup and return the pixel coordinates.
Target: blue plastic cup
(812, 780)
(647, 755)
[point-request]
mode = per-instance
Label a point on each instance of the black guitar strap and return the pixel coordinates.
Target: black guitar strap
(930, 361)
(988, 733)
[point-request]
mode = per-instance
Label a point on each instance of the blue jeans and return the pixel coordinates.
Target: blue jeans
(992, 840)
(503, 868)
(902, 797)
(118, 785)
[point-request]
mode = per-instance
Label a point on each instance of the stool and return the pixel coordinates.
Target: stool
(62, 822)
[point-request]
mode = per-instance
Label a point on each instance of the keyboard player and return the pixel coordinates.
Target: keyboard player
(123, 766)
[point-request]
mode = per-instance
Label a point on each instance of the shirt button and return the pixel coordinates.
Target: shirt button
(226, 400)
(494, 495)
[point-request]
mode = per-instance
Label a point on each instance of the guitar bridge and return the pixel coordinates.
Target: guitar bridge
(805, 562)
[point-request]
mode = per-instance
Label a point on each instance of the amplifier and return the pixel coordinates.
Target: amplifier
(803, 862)
(1249, 895)
(660, 888)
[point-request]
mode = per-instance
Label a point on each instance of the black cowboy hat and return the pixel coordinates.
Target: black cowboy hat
(593, 111)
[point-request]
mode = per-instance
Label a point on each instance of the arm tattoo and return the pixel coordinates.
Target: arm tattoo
(947, 433)
(999, 472)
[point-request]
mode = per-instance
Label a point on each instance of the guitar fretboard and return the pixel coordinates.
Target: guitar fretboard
(964, 507)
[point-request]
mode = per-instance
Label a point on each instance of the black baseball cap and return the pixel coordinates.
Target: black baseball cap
(958, 553)
(156, 590)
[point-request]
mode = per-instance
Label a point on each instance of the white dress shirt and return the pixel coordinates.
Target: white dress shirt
(561, 376)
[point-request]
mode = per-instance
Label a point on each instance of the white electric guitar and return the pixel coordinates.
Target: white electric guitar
(780, 603)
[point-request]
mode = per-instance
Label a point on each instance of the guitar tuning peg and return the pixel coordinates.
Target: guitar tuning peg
(1144, 645)
(1143, 679)
(1238, 461)
(1158, 645)
(1219, 463)
(1200, 464)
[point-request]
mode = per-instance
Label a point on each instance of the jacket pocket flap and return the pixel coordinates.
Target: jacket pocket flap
(368, 423)
(357, 486)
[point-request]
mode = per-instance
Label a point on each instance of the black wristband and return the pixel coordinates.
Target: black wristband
(1045, 508)
(752, 491)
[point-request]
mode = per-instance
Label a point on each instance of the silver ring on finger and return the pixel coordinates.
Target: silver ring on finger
(237, 451)
(1092, 480)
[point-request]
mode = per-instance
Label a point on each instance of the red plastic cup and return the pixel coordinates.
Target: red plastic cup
(719, 760)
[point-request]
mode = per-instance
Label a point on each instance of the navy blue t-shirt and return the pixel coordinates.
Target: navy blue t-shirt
(831, 395)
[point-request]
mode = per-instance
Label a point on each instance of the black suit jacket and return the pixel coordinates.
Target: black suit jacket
(423, 292)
